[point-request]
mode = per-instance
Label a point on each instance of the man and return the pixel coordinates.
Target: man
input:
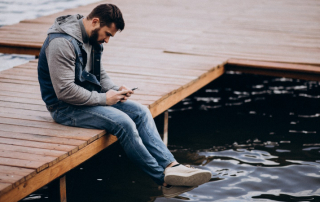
(78, 92)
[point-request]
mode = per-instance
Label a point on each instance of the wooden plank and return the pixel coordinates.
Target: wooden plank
(15, 170)
(10, 178)
(63, 189)
(25, 156)
(9, 81)
(39, 162)
(28, 112)
(159, 107)
(55, 171)
(298, 71)
(42, 138)
(33, 144)
(19, 88)
(40, 124)
(85, 134)
(13, 179)
(301, 68)
(31, 150)
(19, 50)
(267, 72)
(13, 105)
(21, 163)
(165, 128)
(46, 118)
(4, 187)
(21, 100)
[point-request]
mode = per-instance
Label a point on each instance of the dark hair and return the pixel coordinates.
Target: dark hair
(108, 14)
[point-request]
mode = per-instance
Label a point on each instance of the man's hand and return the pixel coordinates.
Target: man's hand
(115, 96)
(123, 87)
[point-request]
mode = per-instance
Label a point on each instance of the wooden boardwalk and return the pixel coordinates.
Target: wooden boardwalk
(169, 49)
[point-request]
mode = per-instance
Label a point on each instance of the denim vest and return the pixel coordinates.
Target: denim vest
(87, 80)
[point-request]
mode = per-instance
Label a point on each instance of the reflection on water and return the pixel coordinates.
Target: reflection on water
(265, 149)
(259, 135)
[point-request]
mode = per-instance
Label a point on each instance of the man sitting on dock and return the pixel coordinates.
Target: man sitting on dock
(78, 92)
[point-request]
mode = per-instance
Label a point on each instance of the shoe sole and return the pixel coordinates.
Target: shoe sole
(178, 193)
(185, 179)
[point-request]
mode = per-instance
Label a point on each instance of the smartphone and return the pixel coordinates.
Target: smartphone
(135, 88)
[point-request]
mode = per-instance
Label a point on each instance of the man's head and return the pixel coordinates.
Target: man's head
(105, 21)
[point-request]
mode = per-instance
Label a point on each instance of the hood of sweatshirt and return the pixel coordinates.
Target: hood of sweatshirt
(68, 24)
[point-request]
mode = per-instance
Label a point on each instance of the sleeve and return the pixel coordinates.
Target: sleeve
(61, 61)
(106, 81)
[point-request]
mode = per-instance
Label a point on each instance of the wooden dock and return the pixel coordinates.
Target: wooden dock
(169, 49)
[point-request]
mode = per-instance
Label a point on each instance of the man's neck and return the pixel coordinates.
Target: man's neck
(85, 37)
(86, 24)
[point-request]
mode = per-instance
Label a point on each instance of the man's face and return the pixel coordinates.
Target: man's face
(102, 34)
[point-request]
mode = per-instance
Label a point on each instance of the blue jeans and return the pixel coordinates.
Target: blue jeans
(131, 123)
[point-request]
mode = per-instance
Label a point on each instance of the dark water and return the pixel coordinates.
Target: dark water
(258, 135)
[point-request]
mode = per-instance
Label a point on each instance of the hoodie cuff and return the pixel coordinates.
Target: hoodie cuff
(102, 99)
(116, 88)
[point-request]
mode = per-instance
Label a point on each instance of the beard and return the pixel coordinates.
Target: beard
(93, 39)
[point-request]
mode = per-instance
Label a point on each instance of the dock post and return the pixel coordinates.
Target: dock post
(63, 189)
(165, 128)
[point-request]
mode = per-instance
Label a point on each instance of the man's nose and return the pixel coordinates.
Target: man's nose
(106, 40)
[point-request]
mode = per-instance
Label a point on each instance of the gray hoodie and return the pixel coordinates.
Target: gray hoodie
(61, 61)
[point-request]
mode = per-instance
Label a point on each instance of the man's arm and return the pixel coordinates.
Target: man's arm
(61, 60)
(106, 81)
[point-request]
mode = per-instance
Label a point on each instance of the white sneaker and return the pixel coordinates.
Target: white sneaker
(186, 176)
(173, 191)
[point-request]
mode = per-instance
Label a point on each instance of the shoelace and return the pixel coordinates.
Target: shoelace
(188, 166)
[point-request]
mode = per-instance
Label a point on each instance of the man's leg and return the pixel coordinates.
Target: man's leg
(179, 175)
(147, 131)
(119, 124)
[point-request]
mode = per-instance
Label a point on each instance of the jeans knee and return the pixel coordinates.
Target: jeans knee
(143, 110)
(126, 126)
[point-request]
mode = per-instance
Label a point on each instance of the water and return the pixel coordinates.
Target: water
(258, 135)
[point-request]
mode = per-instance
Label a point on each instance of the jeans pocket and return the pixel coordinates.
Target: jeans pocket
(53, 114)
(64, 119)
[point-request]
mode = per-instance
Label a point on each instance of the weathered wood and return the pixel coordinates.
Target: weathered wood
(19, 50)
(63, 189)
(299, 71)
(306, 68)
(4, 187)
(15, 170)
(31, 150)
(167, 66)
(25, 156)
(34, 144)
(22, 163)
(41, 138)
(86, 134)
(165, 127)
(27, 112)
(174, 97)
(57, 170)
(24, 106)
(27, 117)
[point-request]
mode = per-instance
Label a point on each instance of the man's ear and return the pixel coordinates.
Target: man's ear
(95, 22)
